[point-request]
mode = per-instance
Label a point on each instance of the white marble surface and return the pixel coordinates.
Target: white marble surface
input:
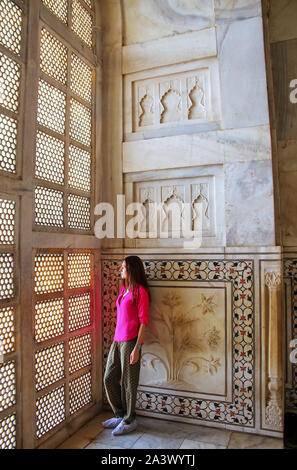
(249, 204)
(246, 441)
(242, 74)
(145, 20)
(236, 10)
(167, 51)
(204, 148)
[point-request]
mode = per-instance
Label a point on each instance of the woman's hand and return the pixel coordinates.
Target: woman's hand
(134, 356)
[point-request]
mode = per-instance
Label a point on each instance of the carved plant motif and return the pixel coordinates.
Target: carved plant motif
(146, 117)
(173, 329)
(197, 97)
(171, 102)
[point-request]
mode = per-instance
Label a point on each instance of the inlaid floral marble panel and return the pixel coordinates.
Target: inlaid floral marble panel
(187, 343)
(240, 409)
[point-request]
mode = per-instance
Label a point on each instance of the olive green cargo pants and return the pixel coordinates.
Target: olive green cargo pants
(121, 379)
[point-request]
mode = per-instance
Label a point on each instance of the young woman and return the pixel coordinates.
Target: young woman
(123, 363)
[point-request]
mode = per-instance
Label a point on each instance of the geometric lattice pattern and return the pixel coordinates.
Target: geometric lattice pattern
(8, 432)
(82, 22)
(6, 278)
(7, 330)
(8, 142)
(53, 57)
(79, 169)
(80, 123)
(49, 365)
(10, 73)
(48, 273)
(89, 3)
(81, 78)
(79, 270)
(241, 411)
(79, 352)
(58, 8)
(48, 207)
(50, 411)
(49, 162)
(49, 319)
(7, 222)
(51, 107)
(11, 18)
(79, 311)
(7, 385)
(80, 392)
(79, 215)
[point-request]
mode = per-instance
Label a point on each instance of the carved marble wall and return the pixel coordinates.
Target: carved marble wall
(205, 349)
(193, 125)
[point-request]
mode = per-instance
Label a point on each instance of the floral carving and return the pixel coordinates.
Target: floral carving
(173, 330)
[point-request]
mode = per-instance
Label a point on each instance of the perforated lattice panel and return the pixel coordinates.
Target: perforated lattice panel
(49, 365)
(79, 169)
(48, 207)
(8, 143)
(53, 57)
(8, 432)
(81, 78)
(80, 393)
(79, 352)
(79, 311)
(51, 107)
(58, 8)
(82, 22)
(6, 276)
(48, 273)
(79, 270)
(79, 212)
(10, 73)
(11, 17)
(49, 319)
(7, 385)
(89, 3)
(49, 162)
(7, 330)
(50, 411)
(7, 222)
(80, 123)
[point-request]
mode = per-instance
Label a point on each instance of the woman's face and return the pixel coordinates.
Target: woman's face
(123, 270)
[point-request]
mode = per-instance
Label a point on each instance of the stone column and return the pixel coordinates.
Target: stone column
(274, 406)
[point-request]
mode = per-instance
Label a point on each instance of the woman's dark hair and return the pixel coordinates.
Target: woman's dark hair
(136, 276)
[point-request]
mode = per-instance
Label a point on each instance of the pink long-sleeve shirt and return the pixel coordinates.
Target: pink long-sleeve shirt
(130, 316)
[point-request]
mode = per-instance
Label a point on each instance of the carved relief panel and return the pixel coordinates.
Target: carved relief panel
(172, 208)
(187, 344)
(169, 96)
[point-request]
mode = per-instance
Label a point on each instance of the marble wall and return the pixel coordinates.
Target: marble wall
(204, 358)
(195, 94)
(187, 114)
(281, 18)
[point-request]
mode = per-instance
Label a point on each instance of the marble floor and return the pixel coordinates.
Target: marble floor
(153, 433)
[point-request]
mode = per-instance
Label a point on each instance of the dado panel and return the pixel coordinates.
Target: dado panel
(188, 343)
(214, 320)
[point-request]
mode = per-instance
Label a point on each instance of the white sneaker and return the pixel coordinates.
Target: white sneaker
(111, 423)
(124, 428)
